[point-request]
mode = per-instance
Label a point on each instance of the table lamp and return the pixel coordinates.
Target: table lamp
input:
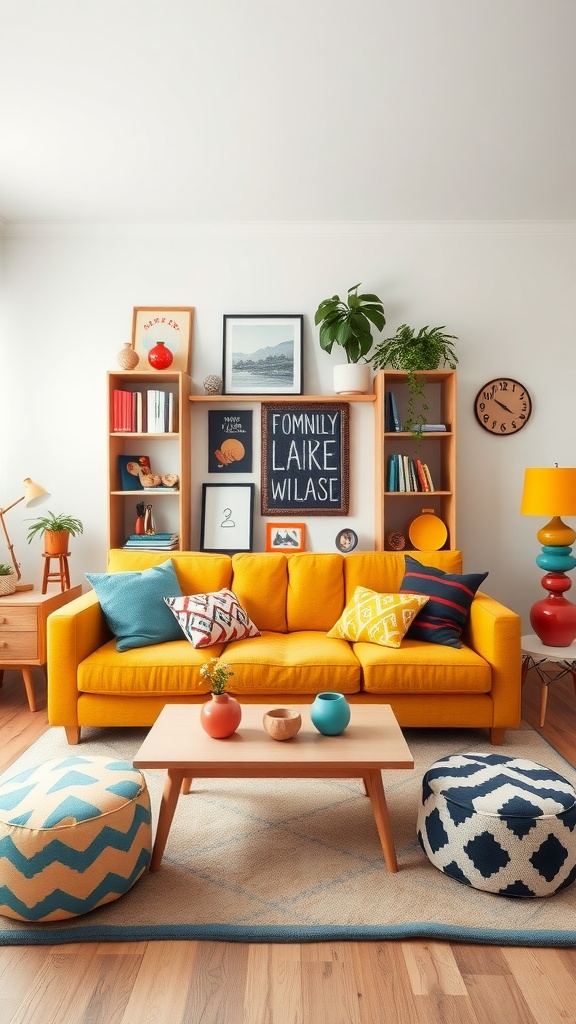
(33, 495)
(551, 491)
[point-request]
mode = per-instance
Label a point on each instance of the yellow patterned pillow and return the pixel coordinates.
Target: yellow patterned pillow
(378, 618)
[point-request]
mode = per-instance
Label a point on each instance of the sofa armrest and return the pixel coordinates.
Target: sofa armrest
(494, 632)
(73, 632)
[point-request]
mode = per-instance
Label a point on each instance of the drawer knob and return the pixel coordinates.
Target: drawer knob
(3, 620)
(3, 643)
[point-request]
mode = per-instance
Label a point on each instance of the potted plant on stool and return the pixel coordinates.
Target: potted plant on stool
(349, 324)
(7, 580)
(56, 530)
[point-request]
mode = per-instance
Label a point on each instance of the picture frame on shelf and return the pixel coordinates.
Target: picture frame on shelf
(262, 354)
(171, 325)
(230, 441)
(285, 536)
(227, 518)
(305, 465)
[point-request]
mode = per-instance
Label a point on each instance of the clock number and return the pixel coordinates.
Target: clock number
(485, 417)
(481, 406)
(514, 424)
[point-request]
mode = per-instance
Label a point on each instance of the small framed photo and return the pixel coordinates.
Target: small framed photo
(227, 514)
(346, 540)
(262, 355)
(285, 536)
(171, 326)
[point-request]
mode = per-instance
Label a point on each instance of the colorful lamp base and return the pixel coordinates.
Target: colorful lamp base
(553, 619)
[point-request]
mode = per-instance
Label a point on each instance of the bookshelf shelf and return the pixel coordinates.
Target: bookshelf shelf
(396, 509)
(168, 453)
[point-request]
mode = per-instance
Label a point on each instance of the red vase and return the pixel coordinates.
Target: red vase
(160, 357)
(221, 715)
(139, 525)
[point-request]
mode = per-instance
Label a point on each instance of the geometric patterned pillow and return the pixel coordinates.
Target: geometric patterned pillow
(377, 618)
(207, 619)
(450, 594)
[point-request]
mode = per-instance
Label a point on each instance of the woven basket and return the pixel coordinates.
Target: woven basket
(7, 584)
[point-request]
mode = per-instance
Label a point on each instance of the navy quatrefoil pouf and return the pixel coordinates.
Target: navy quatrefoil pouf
(502, 824)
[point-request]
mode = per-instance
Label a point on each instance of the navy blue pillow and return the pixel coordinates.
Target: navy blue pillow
(442, 619)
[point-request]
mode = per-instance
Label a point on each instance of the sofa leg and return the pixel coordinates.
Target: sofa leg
(497, 737)
(73, 734)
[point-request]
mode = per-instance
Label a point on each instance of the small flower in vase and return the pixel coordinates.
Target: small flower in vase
(217, 673)
(221, 715)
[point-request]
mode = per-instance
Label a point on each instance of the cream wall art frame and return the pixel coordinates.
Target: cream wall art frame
(171, 325)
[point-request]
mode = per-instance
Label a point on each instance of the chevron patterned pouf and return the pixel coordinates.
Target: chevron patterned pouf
(503, 824)
(74, 833)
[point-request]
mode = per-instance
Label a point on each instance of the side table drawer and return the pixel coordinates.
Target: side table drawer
(18, 646)
(14, 618)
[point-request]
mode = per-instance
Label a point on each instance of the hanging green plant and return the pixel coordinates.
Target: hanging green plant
(411, 352)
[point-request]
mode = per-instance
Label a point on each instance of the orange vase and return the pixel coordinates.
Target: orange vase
(221, 715)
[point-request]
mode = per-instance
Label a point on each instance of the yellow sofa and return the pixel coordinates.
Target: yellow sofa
(294, 599)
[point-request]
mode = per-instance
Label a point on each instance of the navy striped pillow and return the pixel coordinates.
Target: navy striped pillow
(442, 619)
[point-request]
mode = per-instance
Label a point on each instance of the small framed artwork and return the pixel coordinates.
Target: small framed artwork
(346, 540)
(230, 441)
(285, 536)
(227, 513)
(172, 327)
(262, 355)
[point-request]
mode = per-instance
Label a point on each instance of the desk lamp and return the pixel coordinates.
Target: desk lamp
(33, 495)
(551, 491)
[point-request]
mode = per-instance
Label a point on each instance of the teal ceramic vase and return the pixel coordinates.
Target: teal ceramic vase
(330, 713)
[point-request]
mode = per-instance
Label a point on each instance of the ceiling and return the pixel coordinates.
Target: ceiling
(256, 110)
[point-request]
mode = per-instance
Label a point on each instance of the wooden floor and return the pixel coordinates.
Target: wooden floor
(320, 983)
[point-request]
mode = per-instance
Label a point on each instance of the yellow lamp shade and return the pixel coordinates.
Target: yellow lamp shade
(549, 491)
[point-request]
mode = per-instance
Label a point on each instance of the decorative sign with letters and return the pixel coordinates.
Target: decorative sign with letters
(305, 458)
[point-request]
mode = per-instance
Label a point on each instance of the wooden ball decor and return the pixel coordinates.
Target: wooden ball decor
(282, 723)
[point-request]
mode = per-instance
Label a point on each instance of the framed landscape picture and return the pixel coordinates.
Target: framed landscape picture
(262, 355)
(172, 326)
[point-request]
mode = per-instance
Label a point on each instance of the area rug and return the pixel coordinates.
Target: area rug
(300, 861)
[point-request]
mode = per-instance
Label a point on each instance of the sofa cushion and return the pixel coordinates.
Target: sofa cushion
(208, 619)
(420, 668)
(384, 570)
(197, 571)
(302, 662)
(377, 618)
(165, 670)
(134, 607)
(260, 582)
(443, 618)
(315, 596)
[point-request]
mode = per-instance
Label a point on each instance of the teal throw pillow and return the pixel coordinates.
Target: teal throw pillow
(133, 603)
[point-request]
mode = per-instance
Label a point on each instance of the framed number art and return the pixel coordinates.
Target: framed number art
(227, 514)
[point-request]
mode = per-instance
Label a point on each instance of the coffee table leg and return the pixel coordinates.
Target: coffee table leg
(168, 803)
(373, 783)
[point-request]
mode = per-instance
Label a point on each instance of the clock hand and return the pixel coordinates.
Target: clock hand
(502, 406)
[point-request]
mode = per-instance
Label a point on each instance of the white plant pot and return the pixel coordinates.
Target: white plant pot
(352, 379)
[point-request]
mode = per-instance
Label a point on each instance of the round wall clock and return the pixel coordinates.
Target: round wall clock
(503, 406)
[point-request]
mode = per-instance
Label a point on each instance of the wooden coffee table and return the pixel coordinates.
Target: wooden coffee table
(373, 741)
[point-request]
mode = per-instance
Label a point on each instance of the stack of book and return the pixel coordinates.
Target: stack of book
(151, 542)
(406, 474)
(143, 412)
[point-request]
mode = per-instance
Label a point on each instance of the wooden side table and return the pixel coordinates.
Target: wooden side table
(535, 654)
(23, 631)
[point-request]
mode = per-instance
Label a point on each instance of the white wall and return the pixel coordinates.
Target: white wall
(505, 289)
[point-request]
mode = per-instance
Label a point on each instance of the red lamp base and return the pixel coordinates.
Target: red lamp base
(553, 619)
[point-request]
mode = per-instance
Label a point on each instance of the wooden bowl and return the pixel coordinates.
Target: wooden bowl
(282, 723)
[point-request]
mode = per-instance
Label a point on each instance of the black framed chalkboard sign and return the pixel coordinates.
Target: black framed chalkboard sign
(305, 458)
